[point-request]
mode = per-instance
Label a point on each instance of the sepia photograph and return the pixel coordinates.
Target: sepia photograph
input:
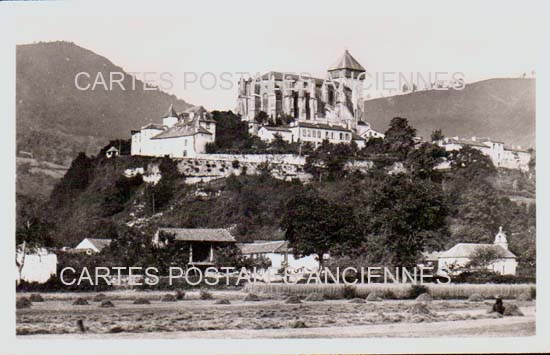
(274, 177)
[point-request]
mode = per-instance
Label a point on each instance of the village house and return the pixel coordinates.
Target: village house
(501, 155)
(458, 257)
(180, 134)
(201, 242)
(313, 133)
(279, 254)
(92, 245)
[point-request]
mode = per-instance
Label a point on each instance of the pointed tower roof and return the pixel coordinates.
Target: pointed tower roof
(346, 61)
(171, 112)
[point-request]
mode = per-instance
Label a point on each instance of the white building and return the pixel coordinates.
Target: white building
(314, 133)
(460, 255)
(501, 155)
(36, 265)
(92, 245)
(279, 254)
(181, 135)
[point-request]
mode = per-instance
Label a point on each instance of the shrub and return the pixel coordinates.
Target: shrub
(235, 164)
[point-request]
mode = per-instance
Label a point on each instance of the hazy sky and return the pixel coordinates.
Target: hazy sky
(478, 47)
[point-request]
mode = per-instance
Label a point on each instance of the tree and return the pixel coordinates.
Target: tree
(437, 135)
(399, 138)
(75, 180)
(261, 118)
(159, 195)
(314, 225)
(404, 216)
(484, 256)
(471, 164)
(423, 161)
(329, 160)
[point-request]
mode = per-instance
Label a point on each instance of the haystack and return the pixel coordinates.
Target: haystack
(475, 297)
(357, 300)
(512, 310)
(23, 302)
(222, 301)
(425, 297)
(107, 304)
(100, 297)
(315, 297)
(521, 297)
(142, 301)
(168, 298)
(293, 300)
(80, 302)
(251, 298)
(373, 297)
(35, 297)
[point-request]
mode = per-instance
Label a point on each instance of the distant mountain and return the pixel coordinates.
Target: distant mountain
(55, 120)
(502, 109)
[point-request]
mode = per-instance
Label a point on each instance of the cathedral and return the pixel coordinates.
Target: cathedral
(335, 100)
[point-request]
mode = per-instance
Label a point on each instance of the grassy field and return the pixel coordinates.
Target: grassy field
(396, 291)
(194, 317)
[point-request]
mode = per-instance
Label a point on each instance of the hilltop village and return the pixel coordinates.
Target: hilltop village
(260, 186)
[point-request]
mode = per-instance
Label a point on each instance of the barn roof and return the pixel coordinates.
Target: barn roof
(100, 244)
(200, 234)
(262, 247)
(465, 250)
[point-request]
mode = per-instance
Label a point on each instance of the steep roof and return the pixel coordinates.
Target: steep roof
(171, 112)
(346, 61)
(464, 250)
(200, 234)
(274, 246)
(154, 126)
(357, 137)
(100, 244)
(181, 130)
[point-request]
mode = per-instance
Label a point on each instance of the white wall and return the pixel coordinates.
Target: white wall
(503, 266)
(38, 267)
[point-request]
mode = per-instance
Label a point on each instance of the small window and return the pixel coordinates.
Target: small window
(341, 136)
(303, 132)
